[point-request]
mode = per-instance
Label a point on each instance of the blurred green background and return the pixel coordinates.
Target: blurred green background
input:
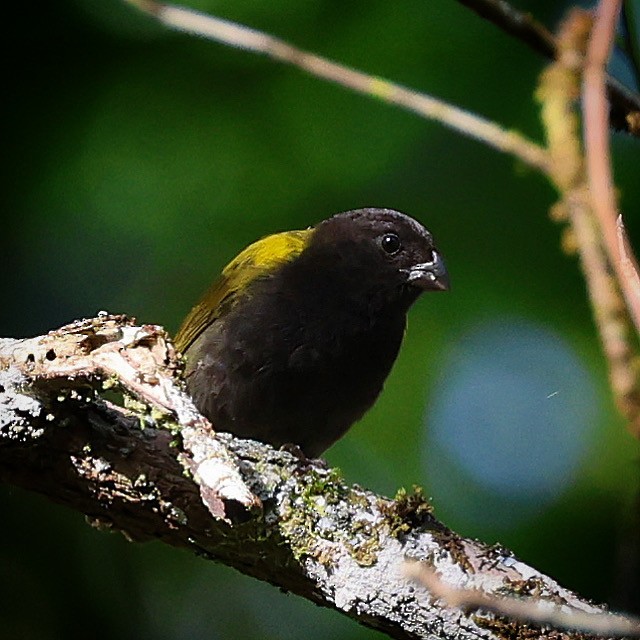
(139, 161)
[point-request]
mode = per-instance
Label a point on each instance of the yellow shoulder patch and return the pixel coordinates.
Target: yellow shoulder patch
(257, 260)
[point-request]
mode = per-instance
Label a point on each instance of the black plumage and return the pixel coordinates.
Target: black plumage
(297, 352)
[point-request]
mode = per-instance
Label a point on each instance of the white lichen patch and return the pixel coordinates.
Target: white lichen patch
(223, 479)
(17, 410)
(131, 335)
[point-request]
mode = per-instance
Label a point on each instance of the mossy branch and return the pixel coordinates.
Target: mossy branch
(92, 415)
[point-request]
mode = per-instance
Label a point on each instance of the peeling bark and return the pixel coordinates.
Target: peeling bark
(93, 416)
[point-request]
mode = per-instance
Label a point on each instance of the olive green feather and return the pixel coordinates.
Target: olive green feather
(256, 261)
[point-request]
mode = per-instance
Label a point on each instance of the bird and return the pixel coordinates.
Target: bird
(292, 344)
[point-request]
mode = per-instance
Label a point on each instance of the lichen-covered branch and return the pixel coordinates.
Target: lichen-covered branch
(92, 416)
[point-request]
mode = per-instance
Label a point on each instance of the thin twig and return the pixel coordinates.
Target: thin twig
(522, 26)
(535, 611)
(237, 35)
(534, 34)
(559, 85)
(598, 160)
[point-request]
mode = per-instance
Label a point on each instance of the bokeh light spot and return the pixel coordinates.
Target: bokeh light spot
(512, 414)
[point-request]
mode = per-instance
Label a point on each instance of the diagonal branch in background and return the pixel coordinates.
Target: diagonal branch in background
(291, 522)
(625, 104)
(237, 35)
(520, 25)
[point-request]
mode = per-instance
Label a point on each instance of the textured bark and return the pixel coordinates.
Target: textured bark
(92, 415)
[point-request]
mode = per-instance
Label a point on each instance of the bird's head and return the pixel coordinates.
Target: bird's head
(383, 248)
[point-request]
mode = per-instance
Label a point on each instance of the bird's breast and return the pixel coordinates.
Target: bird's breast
(293, 369)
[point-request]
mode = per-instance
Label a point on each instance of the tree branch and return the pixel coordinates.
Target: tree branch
(597, 153)
(238, 35)
(606, 257)
(92, 416)
(625, 104)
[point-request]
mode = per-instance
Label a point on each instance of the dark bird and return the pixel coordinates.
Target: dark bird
(293, 343)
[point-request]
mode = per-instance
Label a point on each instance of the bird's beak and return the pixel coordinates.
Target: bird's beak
(429, 276)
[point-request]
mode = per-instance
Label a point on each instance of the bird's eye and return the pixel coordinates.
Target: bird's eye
(390, 243)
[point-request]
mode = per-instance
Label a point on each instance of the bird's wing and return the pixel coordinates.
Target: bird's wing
(258, 260)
